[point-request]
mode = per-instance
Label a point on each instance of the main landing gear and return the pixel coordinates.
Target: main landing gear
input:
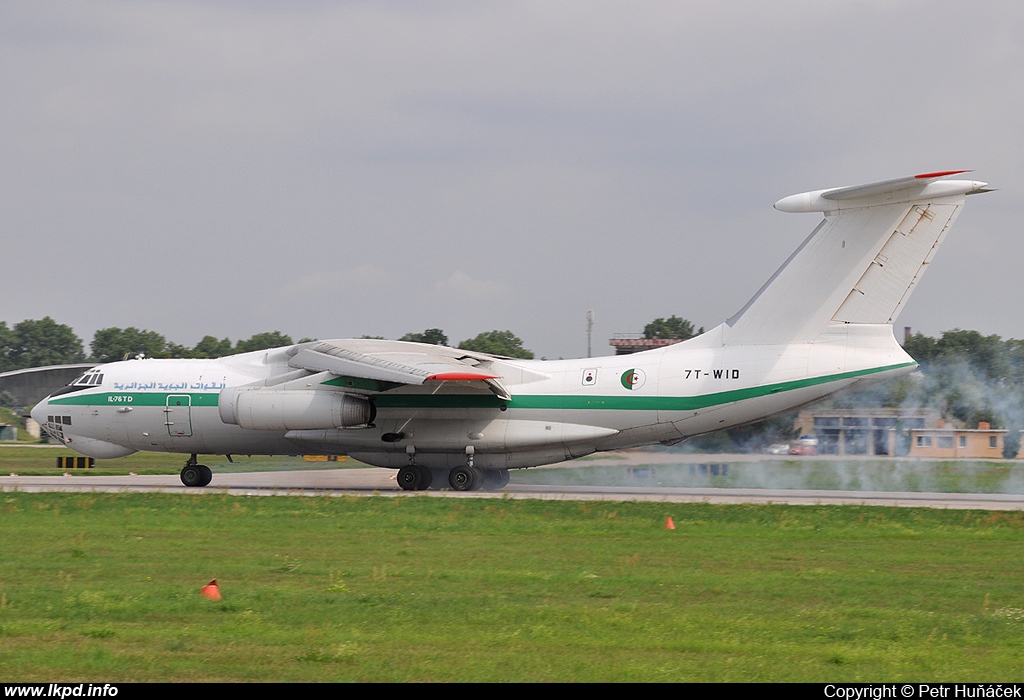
(193, 474)
(414, 477)
(473, 479)
(469, 478)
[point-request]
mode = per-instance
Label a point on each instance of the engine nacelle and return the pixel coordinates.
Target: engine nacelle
(280, 409)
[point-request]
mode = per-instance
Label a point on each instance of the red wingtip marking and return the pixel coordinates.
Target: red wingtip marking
(460, 377)
(941, 173)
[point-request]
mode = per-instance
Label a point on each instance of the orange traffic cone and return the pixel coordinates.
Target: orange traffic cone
(669, 525)
(211, 591)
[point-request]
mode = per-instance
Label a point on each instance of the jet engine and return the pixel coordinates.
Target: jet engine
(278, 409)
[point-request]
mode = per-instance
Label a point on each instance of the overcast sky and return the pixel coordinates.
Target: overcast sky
(334, 169)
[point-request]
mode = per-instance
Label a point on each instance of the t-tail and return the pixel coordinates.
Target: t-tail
(861, 263)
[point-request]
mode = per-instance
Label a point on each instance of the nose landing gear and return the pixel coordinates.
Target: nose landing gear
(195, 475)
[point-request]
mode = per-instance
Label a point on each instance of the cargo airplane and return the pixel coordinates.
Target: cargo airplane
(445, 417)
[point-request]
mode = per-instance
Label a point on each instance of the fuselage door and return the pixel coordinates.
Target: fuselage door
(178, 415)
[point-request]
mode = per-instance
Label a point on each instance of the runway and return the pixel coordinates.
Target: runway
(373, 481)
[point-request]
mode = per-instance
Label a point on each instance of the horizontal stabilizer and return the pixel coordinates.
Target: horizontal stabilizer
(905, 189)
(860, 264)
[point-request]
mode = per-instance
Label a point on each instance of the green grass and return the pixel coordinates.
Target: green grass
(42, 461)
(105, 587)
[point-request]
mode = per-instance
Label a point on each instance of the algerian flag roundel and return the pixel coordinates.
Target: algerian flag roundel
(633, 379)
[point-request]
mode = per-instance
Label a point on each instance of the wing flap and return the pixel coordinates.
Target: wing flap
(406, 363)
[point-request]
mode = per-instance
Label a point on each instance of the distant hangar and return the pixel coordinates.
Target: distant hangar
(30, 386)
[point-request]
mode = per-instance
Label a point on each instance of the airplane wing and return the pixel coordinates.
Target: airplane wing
(396, 363)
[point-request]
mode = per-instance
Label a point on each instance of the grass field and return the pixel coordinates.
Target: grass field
(41, 461)
(105, 587)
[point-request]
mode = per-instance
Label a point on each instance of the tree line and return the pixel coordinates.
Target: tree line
(504, 343)
(44, 342)
(970, 377)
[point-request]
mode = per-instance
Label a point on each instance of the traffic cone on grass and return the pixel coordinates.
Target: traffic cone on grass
(669, 525)
(211, 590)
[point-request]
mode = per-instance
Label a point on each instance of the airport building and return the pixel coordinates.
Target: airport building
(951, 443)
(898, 432)
(628, 343)
(29, 386)
(865, 431)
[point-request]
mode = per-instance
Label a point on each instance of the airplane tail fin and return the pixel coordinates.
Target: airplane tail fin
(861, 262)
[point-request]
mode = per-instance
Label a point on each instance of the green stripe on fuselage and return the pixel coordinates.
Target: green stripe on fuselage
(686, 403)
(628, 402)
(133, 398)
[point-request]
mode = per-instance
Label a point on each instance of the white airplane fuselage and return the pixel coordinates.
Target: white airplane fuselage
(558, 409)
(822, 323)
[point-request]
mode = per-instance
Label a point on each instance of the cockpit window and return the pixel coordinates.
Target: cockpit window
(90, 378)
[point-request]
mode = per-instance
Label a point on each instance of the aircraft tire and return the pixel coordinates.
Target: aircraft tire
(207, 474)
(426, 478)
(465, 479)
(192, 475)
(410, 478)
(495, 479)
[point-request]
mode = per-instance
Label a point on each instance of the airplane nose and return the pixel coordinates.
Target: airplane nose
(39, 411)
